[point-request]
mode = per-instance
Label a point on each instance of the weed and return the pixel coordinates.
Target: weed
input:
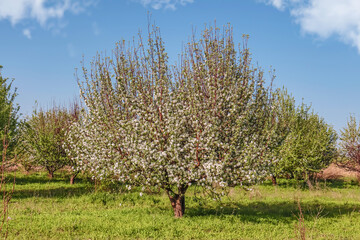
(300, 228)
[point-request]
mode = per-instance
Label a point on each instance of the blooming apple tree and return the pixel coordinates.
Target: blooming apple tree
(205, 121)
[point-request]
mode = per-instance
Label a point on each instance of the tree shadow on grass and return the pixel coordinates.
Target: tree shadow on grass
(35, 179)
(39, 185)
(285, 211)
(43, 179)
(52, 192)
(340, 183)
(321, 183)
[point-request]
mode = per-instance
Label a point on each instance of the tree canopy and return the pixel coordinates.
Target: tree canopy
(204, 121)
(9, 115)
(44, 137)
(306, 143)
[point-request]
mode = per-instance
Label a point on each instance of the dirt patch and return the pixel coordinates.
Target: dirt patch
(336, 172)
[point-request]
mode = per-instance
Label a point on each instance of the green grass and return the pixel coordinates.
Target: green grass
(43, 209)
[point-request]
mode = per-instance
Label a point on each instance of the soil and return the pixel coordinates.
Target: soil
(336, 172)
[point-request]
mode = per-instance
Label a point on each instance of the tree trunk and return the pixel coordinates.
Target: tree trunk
(178, 200)
(273, 179)
(51, 175)
(309, 183)
(358, 177)
(178, 205)
(72, 179)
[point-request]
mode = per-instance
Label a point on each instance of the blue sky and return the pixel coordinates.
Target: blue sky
(314, 45)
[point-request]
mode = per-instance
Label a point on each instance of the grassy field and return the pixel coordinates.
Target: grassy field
(43, 209)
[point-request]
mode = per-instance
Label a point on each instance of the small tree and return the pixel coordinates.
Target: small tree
(44, 138)
(307, 143)
(350, 146)
(8, 116)
(205, 121)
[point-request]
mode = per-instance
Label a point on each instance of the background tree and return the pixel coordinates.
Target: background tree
(8, 115)
(73, 116)
(44, 138)
(285, 111)
(350, 146)
(8, 137)
(6, 193)
(308, 144)
(205, 121)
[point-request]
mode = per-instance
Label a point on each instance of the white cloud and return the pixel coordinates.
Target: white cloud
(71, 50)
(326, 18)
(27, 33)
(166, 4)
(96, 29)
(279, 4)
(42, 11)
